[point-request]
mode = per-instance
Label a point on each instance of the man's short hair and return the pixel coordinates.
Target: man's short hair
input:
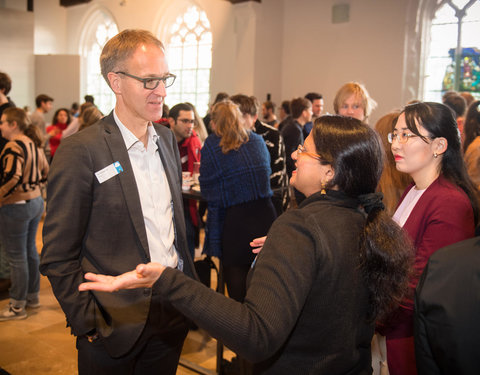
(248, 104)
(269, 105)
(122, 46)
(5, 83)
(175, 110)
(286, 106)
(298, 105)
(89, 99)
(313, 96)
(455, 102)
(42, 98)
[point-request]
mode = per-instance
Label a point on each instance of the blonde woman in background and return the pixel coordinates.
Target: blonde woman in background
(353, 100)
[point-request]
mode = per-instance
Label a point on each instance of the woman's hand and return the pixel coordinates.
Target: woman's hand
(257, 244)
(144, 276)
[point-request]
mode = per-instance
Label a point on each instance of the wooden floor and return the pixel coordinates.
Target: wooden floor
(41, 344)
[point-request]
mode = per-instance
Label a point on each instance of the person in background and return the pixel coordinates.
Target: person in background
(447, 307)
(471, 143)
(75, 110)
(235, 181)
(458, 105)
(327, 270)
(206, 120)
(276, 148)
(469, 98)
(5, 102)
(114, 200)
(60, 122)
(44, 104)
(317, 108)
(439, 208)
(293, 133)
(283, 111)
(288, 119)
(182, 119)
(393, 182)
(89, 99)
(74, 126)
(268, 113)
(89, 116)
(21, 208)
(198, 125)
(352, 99)
(164, 120)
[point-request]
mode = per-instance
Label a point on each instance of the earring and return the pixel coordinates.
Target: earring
(323, 191)
(435, 155)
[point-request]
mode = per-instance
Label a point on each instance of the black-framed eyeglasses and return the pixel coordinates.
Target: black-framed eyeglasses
(151, 83)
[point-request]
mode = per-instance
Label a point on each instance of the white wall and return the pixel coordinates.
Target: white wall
(16, 51)
(283, 47)
(50, 27)
(64, 85)
(320, 56)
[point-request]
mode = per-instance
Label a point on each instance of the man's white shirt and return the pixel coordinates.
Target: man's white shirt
(155, 195)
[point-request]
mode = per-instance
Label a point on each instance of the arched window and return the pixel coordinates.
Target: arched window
(453, 59)
(98, 31)
(189, 50)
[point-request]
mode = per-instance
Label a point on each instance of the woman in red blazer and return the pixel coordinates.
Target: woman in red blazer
(439, 208)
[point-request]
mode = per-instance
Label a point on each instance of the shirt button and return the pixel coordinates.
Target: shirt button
(147, 292)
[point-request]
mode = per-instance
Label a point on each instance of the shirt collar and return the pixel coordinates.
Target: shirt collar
(129, 138)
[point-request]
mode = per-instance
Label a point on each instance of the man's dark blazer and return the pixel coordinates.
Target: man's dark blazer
(99, 227)
(447, 311)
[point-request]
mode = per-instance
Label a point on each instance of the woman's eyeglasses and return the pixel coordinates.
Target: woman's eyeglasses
(301, 150)
(401, 137)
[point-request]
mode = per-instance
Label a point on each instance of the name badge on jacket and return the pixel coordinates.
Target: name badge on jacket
(108, 172)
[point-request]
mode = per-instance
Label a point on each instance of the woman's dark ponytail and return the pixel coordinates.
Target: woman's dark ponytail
(356, 155)
(387, 259)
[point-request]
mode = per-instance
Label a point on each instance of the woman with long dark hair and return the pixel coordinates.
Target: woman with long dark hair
(439, 208)
(24, 169)
(327, 270)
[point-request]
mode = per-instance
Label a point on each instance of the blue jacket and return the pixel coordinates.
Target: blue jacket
(239, 176)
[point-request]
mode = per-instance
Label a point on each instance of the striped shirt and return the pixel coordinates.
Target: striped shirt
(24, 169)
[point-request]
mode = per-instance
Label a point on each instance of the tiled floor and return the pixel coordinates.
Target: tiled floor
(41, 344)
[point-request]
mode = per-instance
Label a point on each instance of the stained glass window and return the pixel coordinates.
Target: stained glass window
(100, 30)
(452, 16)
(189, 51)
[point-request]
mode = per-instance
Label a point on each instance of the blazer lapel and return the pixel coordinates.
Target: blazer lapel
(169, 160)
(117, 147)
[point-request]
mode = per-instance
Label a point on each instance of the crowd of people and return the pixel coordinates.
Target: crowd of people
(343, 218)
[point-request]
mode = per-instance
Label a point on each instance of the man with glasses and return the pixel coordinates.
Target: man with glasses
(114, 201)
(181, 119)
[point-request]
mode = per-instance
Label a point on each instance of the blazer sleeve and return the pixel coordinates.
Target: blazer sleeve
(280, 283)
(68, 210)
(451, 220)
(423, 352)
